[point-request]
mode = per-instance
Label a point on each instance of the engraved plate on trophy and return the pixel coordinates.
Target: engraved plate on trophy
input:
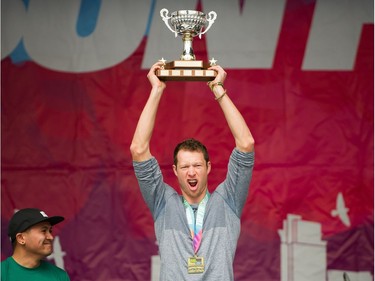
(187, 24)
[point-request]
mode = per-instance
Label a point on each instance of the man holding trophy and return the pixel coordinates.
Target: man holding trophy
(197, 232)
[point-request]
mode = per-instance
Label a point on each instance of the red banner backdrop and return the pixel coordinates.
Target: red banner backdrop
(65, 149)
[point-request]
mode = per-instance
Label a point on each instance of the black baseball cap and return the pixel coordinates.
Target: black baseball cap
(26, 218)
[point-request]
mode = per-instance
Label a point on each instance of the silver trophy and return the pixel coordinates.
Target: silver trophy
(188, 24)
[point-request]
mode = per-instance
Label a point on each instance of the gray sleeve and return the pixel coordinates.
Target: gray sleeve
(236, 185)
(152, 186)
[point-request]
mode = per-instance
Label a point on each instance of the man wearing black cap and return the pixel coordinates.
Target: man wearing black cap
(30, 231)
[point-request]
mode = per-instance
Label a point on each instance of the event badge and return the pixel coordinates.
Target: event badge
(195, 265)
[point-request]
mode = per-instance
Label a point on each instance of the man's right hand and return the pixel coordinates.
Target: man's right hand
(154, 80)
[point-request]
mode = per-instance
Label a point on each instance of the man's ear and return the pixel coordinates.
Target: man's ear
(20, 238)
(208, 167)
(175, 170)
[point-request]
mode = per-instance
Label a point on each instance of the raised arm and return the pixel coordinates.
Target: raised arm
(240, 131)
(140, 146)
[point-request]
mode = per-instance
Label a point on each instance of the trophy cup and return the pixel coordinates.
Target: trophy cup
(188, 24)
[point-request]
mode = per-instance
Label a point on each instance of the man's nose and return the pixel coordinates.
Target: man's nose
(49, 235)
(191, 171)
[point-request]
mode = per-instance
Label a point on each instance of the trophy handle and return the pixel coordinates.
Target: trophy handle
(164, 15)
(210, 18)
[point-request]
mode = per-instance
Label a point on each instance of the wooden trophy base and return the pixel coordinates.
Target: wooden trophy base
(186, 70)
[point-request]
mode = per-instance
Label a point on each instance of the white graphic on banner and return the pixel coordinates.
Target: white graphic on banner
(48, 32)
(58, 253)
(337, 275)
(155, 268)
(303, 254)
(341, 211)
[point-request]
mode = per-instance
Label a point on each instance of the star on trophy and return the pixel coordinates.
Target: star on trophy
(188, 24)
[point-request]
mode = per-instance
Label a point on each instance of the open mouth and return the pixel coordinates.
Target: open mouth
(192, 183)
